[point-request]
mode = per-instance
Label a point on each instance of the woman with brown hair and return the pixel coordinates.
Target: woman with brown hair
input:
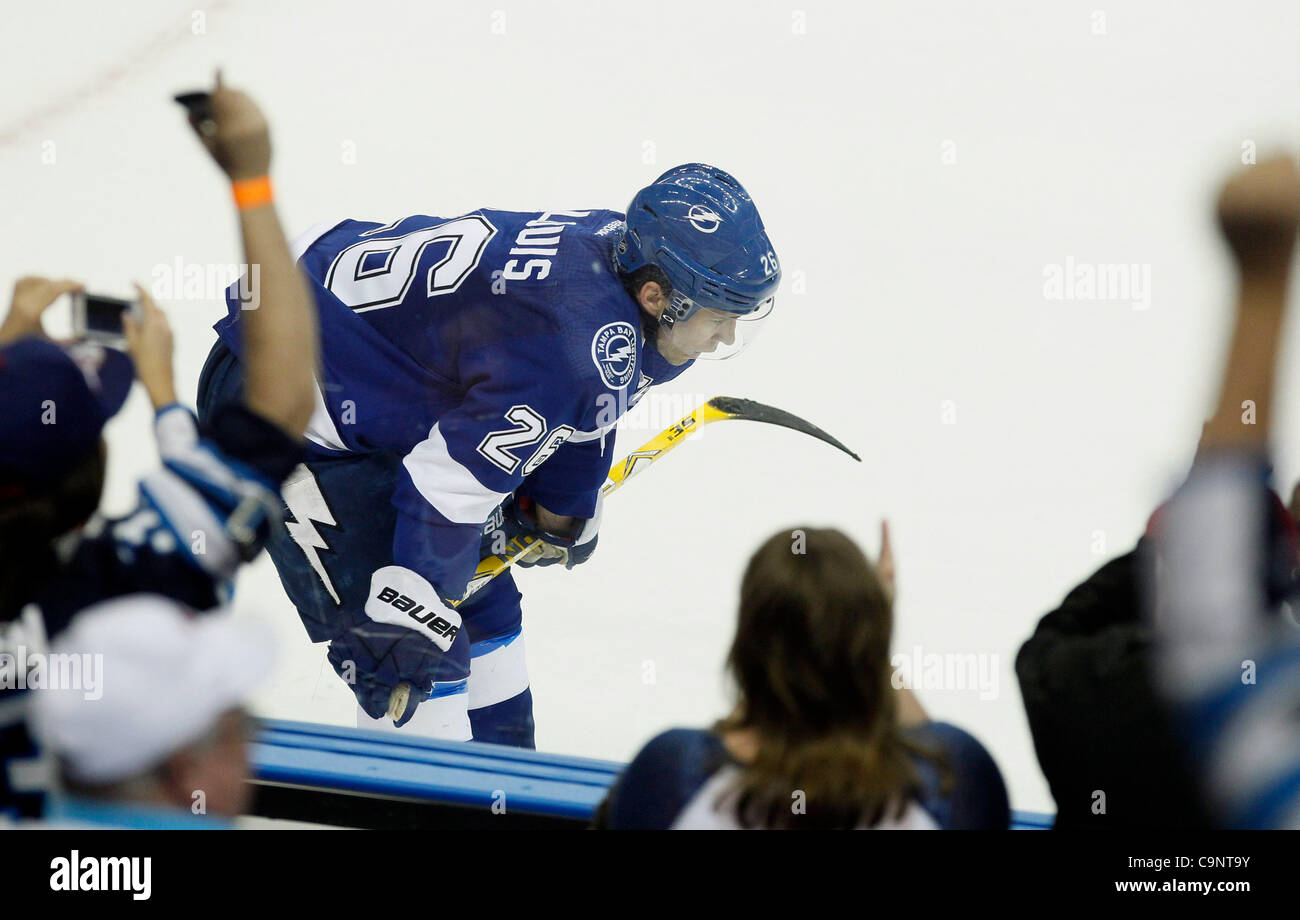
(820, 737)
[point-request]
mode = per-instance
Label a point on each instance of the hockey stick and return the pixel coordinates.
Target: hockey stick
(717, 409)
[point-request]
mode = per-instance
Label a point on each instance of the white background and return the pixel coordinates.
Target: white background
(911, 281)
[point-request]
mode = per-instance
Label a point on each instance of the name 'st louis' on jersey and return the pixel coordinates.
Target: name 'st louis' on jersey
(539, 237)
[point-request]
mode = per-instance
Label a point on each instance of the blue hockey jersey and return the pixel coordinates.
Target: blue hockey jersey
(488, 352)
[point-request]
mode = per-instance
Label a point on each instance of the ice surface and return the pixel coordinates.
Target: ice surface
(918, 164)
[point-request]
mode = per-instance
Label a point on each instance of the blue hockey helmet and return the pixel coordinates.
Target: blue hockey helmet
(699, 226)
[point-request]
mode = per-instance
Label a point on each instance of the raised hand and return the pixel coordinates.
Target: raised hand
(237, 135)
(1259, 210)
(149, 340)
(32, 297)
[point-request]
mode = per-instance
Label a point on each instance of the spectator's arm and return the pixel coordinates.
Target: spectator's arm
(279, 323)
(1211, 607)
(280, 336)
(1209, 597)
(149, 339)
(1258, 212)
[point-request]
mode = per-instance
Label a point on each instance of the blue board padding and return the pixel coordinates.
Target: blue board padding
(450, 772)
(460, 773)
(1032, 821)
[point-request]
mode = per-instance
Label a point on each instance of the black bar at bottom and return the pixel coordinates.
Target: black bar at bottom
(377, 812)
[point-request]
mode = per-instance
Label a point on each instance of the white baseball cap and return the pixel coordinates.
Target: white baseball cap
(154, 677)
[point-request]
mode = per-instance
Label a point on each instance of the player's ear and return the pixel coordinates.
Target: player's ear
(651, 298)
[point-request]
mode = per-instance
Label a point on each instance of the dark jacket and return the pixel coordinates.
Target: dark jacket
(1097, 722)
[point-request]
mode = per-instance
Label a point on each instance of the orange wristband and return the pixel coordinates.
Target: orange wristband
(252, 193)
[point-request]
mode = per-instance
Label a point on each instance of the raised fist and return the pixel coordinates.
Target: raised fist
(1259, 210)
(236, 135)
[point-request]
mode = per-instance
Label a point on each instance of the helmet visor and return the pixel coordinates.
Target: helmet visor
(705, 332)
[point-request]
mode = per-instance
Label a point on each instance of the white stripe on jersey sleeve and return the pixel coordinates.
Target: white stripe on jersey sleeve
(181, 450)
(175, 431)
(447, 485)
(579, 437)
(187, 514)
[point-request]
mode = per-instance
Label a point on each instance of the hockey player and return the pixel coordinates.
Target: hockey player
(473, 369)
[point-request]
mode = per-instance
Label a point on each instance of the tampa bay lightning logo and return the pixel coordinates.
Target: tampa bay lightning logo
(614, 351)
(703, 218)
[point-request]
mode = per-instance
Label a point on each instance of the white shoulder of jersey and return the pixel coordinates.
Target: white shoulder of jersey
(447, 484)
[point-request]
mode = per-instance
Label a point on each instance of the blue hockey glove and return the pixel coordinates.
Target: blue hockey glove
(404, 638)
(373, 658)
(517, 517)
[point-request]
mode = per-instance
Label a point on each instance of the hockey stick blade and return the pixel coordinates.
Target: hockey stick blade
(747, 409)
